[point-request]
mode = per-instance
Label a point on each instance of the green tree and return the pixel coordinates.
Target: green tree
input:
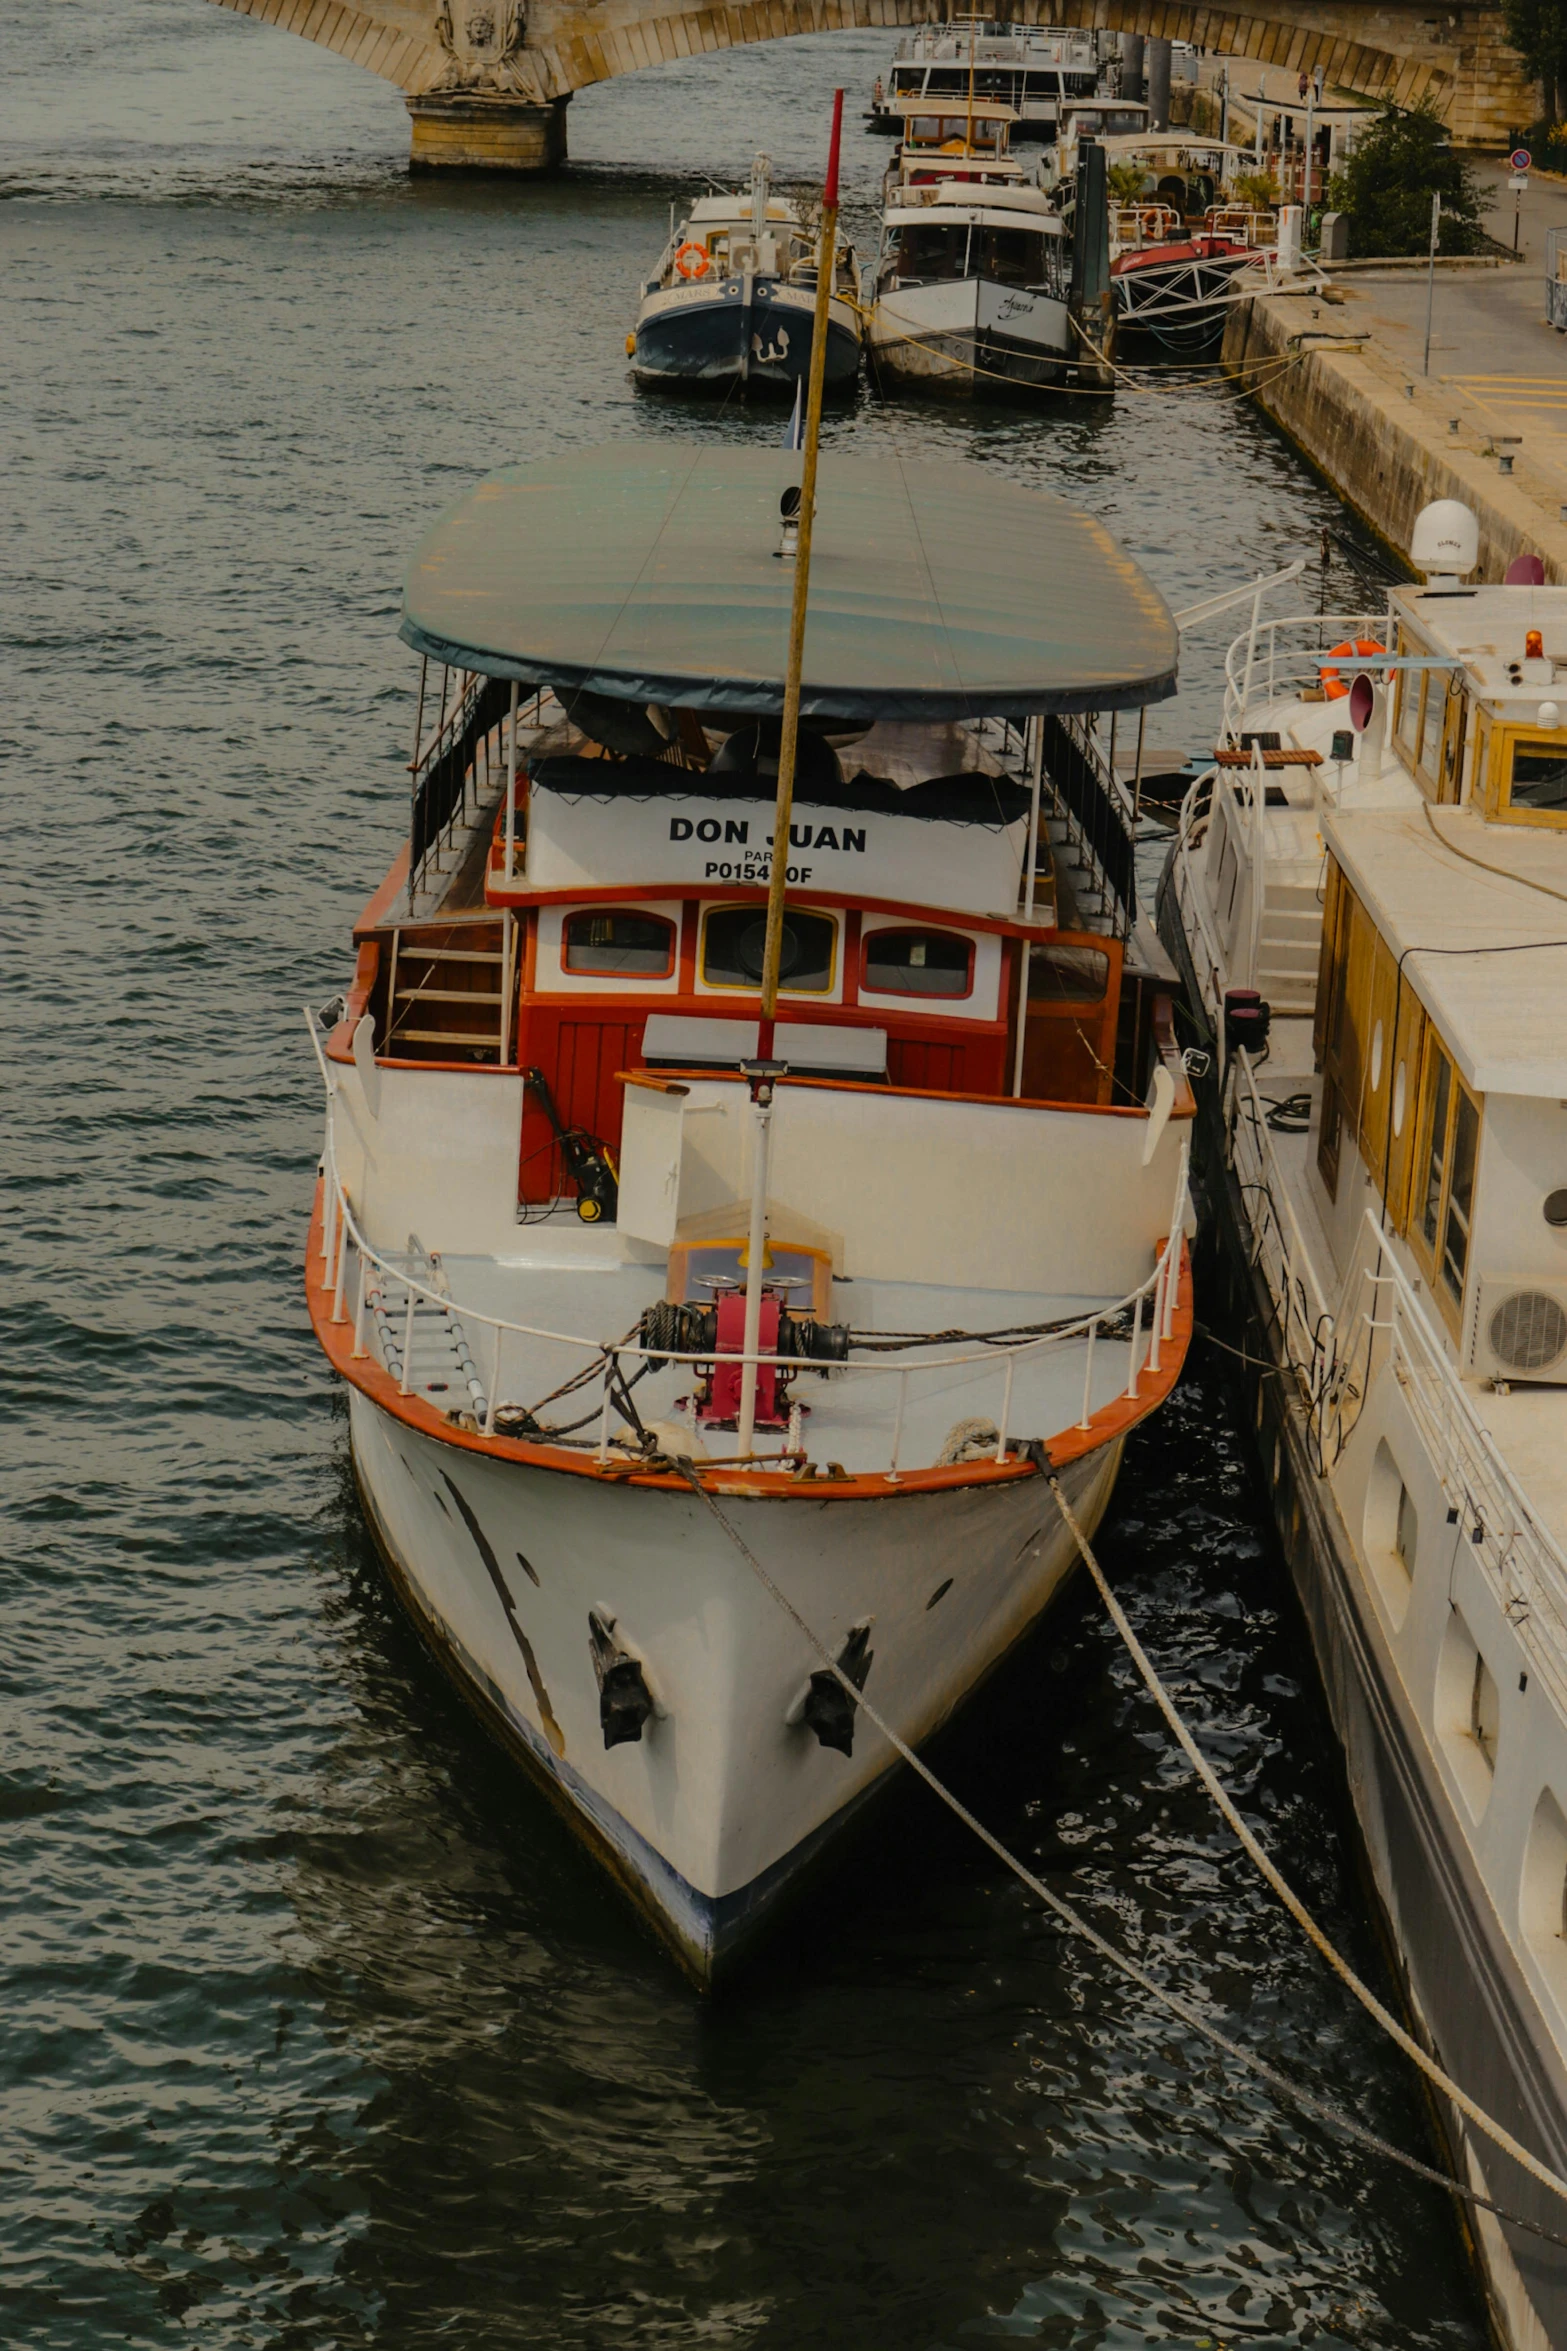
(1390, 177)
(1537, 29)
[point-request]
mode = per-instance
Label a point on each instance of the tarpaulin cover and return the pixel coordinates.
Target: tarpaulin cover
(970, 798)
(652, 573)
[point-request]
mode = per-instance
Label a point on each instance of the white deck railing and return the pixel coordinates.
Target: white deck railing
(1274, 658)
(342, 1239)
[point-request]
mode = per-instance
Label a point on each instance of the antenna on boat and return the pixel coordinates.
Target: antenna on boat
(804, 500)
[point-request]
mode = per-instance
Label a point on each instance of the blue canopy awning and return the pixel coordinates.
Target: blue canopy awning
(651, 573)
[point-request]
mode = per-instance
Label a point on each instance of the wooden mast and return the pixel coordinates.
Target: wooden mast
(789, 741)
(772, 952)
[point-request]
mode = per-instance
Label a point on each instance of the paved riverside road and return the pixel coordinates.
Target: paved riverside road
(1497, 367)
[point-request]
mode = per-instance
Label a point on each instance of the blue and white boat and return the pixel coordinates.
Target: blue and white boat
(732, 300)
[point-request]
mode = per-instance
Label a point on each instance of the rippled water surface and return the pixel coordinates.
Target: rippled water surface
(317, 2029)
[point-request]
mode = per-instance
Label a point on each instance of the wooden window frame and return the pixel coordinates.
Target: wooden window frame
(1430, 778)
(1411, 682)
(1430, 1254)
(1504, 743)
(1450, 752)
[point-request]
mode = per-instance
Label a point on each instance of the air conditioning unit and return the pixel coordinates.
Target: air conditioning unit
(1520, 1329)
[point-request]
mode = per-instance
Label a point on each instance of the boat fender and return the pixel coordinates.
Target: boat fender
(1357, 648)
(1161, 1101)
(625, 1700)
(691, 261)
(367, 1066)
(824, 1705)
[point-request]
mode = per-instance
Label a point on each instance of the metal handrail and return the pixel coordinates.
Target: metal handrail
(1255, 1126)
(1241, 685)
(340, 1225)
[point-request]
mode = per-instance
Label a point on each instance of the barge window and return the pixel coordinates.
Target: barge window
(1014, 257)
(613, 944)
(1539, 778)
(1406, 726)
(734, 937)
(1433, 712)
(918, 963)
(932, 256)
(1067, 975)
(1450, 1141)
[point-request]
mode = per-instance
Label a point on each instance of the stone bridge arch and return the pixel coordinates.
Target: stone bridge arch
(488, 81)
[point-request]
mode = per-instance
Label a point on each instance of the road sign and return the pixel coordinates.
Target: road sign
(1520, 159)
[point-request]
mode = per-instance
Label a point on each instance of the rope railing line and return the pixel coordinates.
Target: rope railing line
(1171, 2002)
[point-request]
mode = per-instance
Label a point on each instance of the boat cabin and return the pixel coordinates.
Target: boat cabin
(1010, 236)
(967, 142)
(1438, 1015)
(1418, 811)
(1034, 69)
(962, 923)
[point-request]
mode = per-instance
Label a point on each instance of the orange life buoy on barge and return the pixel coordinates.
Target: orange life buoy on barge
(691, 261)
(1355, 648)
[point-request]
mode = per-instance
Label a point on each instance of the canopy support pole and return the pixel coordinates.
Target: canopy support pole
(1026, 954)
(511, 786)
(413, 777)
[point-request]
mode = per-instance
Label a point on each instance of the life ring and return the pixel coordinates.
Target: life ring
(1356, 648)
(691, 261)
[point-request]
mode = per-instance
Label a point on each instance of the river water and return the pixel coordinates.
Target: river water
(317, 2028)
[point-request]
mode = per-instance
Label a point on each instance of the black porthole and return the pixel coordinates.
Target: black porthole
(1556, 1208)
(940, 1593)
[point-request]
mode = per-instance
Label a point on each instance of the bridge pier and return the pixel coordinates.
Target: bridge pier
(463, 130)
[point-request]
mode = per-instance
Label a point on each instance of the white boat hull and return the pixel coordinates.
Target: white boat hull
(711, 1815)
(970, 336)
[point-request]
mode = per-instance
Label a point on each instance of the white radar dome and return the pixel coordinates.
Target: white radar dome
(1446, 541)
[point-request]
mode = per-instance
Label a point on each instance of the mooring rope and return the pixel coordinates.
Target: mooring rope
(1292, 1902)
(1321, 2108)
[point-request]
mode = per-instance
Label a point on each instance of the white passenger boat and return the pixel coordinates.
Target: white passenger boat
(1036, 70)
(1378, 861)
(558, 1176)
(730, 302)
(972, 288)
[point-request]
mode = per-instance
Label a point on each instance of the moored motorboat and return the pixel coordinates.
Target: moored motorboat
(559, 1178)
(730, 303)
(1036, 70)
(971, 292)
(1185, 240)
(1365, 897)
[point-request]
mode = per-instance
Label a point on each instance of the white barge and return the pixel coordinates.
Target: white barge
(538, 1210)
(1368, 896)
